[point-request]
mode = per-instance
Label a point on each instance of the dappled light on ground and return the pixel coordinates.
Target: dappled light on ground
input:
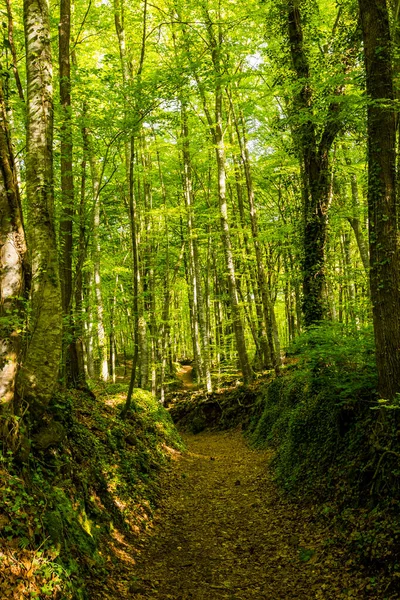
(223, 531)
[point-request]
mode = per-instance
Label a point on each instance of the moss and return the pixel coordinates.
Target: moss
(103, 477)
(318, 417)
(50, 435)
(76, 528)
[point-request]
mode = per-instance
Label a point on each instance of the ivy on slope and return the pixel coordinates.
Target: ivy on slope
(65, 512)
(336, 444)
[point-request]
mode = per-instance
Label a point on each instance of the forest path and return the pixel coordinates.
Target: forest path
(223, 531)
(185, 374)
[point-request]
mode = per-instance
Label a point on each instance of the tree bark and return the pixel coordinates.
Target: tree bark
(216, 129)
(268, 308)
(316, 173)
(356, 223)
(263, 352)
(14, 276)
(96, 252)
(71, 365)
(382, 201)
(38, 376)
(198, 298)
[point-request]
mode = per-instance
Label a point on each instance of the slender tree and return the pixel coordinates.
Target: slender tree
(314, 151)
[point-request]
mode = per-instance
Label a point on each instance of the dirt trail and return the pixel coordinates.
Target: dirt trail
(185, 374)
(224, 532)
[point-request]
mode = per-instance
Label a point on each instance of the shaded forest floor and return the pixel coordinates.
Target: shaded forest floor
(222, 530)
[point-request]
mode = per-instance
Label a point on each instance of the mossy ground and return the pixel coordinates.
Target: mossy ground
(64, 513)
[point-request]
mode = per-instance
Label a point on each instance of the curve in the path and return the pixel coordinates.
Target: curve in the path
(185, 374)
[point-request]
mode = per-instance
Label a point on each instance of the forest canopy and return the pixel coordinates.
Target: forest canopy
(193, 181)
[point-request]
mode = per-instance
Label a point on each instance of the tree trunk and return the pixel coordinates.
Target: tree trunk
(268, 309)
(382, 205)
(38, 376)
(356, 223)
(226, 240)
(263, 352)
(198, 299)
(136, 276)
(13, 277)
(216, 129)
(215, 123)
(96, 252)
(77, 355)
(315, 170)
(71, 365)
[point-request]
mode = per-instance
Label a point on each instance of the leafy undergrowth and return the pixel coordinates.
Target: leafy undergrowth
(337, 446)
(90, 482)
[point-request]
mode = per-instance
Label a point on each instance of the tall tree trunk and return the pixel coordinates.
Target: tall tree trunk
(262, 347)
(67, 180)
(147, 259)
(355, 222)
(38, 376)
(89, 326)
(382, 205)
(194, 325)
(71, 365)
(112, 340)
(127, 76)
(77, 348)
(136, 275)
(268, 308)
(198, 299)
(96, 253)
(226, 240)
(215, 123)
(315, 170)
(216, 129)
(13, 277)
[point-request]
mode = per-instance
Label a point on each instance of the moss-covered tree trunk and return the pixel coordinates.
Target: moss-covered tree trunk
(382, 207)
(38, 376)
(315, 163)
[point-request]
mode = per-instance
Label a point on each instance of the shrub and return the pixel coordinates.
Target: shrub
(318, 415)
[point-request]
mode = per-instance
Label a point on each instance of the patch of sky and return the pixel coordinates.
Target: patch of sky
(254, 61)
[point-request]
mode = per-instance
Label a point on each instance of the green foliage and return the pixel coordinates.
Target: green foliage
(338, 355)
(23, 506)
(314, 415)
(335, 443)
(18, 505)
